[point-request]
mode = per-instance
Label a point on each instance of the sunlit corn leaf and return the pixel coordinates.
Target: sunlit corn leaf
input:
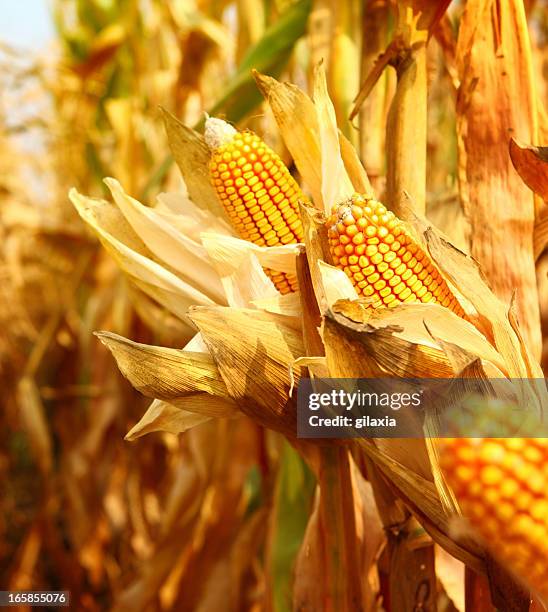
(297, 121)
(134, 258)
(356, 172)
(240, 263)
(172, 375)
(288, 304)
(192, 156)
(253, 351)
(336, 186)
(190, 219)
(163, 416)
(227, 248)
(187, 257)
(465, 273)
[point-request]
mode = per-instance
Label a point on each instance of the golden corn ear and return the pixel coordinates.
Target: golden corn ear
(257, 191)
(502, 488)
(383, 261)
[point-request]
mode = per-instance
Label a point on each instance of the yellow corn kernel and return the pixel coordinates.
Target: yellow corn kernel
(502, 488)
(364, 228)
(257, 191)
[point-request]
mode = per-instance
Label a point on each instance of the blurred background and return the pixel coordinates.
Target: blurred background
(151, 524)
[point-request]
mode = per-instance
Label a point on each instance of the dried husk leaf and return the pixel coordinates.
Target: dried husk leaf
(244, 280)
(317, 249)
(336, 185)
(187, 257)
(131, 254)
(253, 351)
(171, 374)
(105, 216)
(421, 496)
(177, 210)
(297, 121)
(335, 284)
(531, 163)
(314, 360)
(317, 366)
(363, 350)
(192, 156)
(467, 276)
(356, 172)
(229, 251)
(419, 321)
(172, 301)
(496, 98)
(163, 416)
(288, 304)
(163, 323)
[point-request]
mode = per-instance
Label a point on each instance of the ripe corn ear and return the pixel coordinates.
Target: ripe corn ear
(257, 191)
(383, 261)
(502, 488)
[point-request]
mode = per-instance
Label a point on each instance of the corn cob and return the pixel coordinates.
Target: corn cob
(502, 488)
(383, 261)
(257, 191)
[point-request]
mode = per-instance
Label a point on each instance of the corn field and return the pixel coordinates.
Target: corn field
(204, 203)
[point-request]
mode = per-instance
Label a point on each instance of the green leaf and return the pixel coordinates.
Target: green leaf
(296, 485)
(268, 55)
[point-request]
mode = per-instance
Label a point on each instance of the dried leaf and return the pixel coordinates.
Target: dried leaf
(297, 120)
(422, 498)
(465, 273)
(230, 251)
(336, 185)
(531, 163)
(356, 172)
(317, 249)
(162, 416)
(288, 304)
(335, 283)
(35, 423)
(357, 350)
(253, 351)
(170, 374)
(192, 156)
(143, 270)
(187, 257)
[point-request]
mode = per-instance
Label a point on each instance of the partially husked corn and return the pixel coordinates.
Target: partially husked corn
(383, 261)
(502, 488)
(257, 191)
